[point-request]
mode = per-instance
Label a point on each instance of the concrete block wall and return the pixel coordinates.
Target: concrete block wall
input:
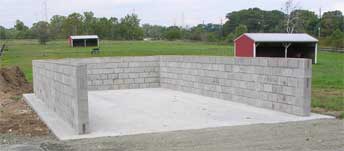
(273, 83)
(62, 88)
(113, 73)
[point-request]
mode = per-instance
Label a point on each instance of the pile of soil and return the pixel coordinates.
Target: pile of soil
(15, 115)
(12, 80)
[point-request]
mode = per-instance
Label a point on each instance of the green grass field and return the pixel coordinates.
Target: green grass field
(21, 52)
(328, 74)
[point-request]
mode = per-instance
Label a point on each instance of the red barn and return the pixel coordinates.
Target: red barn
(282, 45)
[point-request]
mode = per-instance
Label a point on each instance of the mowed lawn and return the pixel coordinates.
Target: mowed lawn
(328, 74)
(22, 52)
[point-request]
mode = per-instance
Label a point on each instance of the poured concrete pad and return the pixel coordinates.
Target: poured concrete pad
(136, 111)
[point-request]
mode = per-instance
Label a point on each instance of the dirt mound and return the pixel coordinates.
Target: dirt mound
(12, 80)
(15, 115)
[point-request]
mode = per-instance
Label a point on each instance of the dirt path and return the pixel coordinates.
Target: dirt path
(316, 135)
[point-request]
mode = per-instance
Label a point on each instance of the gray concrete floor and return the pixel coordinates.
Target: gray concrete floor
(138, 111)
(313, 135)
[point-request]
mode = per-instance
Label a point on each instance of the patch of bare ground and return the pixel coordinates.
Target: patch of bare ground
(16, 117)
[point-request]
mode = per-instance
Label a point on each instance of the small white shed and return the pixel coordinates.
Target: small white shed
(84, 41)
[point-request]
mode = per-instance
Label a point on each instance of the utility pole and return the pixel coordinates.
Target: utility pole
(221, 30)
(183, 19)
(174, 22)
(45, 7)
(320, 19)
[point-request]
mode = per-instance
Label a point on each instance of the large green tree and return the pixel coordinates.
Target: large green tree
(103, 27)
(331, 21)
(255, 19)
(20, 26)
(305, 22)
(130, 28)
(3, 34)
(198, 33)
(173, 33)
(89, 23)
(153, 31)
(73, 25)
(115, 28)
(337, 39)
(55, 27)
(41, 31)
(22, 31)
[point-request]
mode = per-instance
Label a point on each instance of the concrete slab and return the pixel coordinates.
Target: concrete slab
(136, 111)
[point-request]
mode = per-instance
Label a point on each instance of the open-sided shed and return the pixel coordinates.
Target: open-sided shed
(299, 45)
(83, 41)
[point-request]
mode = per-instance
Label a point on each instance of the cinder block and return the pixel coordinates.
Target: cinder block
(283, 62)
(293, 63)
(139, 80)
(224, 60)
(97, 82)
(279, 89)
(112, 76)
(273, 62)
(118, 81)
(288, 90)
(228, 68)
(123, 65)
(267, 87)
(118, 70)
(124, 86)
(134, 86)
(265, 104)
(129, 81)
(134, 75)
(107, 82)
(242, 61)
(123, 75)
(154, 85)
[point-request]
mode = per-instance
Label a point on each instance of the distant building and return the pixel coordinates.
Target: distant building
(284, 45)
(84, 41)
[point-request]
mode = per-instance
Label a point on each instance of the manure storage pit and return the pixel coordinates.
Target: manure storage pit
(116, 96)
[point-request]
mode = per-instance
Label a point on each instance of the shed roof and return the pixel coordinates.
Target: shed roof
(280, 37)
(85, 37)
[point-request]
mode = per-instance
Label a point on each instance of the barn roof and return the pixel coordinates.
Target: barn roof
(85, 37)
(280, 37)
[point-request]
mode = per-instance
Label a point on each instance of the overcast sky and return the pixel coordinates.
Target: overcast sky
(162, 12)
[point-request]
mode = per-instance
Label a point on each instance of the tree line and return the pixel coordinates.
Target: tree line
(60, 27)
(329, 27)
